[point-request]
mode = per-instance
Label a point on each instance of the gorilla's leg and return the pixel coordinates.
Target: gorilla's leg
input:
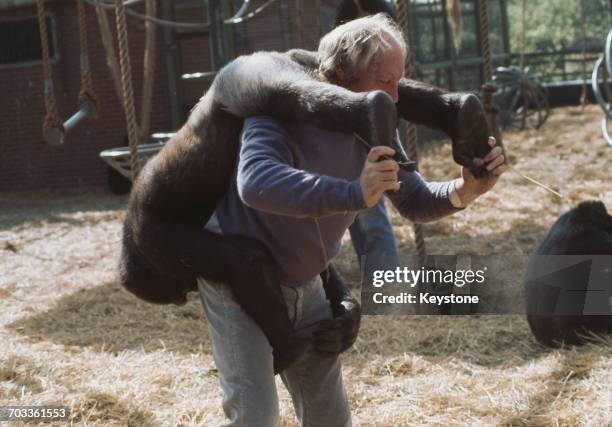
(460, 116)
(248, 87)
(241, 263)
(165, 246)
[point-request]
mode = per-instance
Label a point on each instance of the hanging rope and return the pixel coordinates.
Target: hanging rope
(52, 122)
(411, 136)
(126, 84)
(485, 43)
(109, 49)
(149, 72)
(86, 91)
(488, 88)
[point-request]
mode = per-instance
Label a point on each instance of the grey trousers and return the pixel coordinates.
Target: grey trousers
(244, 360)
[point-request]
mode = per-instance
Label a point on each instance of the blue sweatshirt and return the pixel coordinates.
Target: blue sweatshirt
(296, 189)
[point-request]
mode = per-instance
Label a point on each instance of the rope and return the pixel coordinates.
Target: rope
(419, 232)
(126, 83)
(109, 48)
(148, 73)
(489, 88)
(485, 43)
(52, 119)
(86, 91)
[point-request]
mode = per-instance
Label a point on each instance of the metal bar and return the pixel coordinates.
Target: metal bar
(503, 7)
(162, 22)
(216, 33)
(228, 31)
(251, 15)
(449, 50)
(196, 76)
(173, 61)
(87, 108)
(286, 28)
(243, 9)
(460, 62)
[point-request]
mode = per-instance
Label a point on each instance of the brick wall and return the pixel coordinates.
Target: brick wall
(27, 163)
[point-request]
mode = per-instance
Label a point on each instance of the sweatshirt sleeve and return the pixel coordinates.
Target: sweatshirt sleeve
(422, 201)
(267, 181)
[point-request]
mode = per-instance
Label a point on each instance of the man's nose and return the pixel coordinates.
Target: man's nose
(394, 93)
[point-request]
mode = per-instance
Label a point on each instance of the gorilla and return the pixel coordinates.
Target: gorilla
(165, 246)
(555, 300)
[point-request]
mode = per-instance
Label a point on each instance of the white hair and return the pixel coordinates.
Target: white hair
(356, 45)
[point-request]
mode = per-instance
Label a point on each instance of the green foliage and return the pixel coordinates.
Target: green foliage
(553, 25)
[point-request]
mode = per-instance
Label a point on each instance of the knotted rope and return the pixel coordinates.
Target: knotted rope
(126, 84)
(419, 232)
(485, 43)
(86, 91)
(52, 120)
(149, 72)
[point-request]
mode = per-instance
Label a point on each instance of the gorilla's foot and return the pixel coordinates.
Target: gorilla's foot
(472, 134)
(378, 126)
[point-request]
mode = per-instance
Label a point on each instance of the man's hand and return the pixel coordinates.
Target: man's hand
(469, 187)
(378, 176)
(336, 335)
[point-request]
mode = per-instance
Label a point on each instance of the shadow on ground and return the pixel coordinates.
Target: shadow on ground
(53, 207)
(108, 318)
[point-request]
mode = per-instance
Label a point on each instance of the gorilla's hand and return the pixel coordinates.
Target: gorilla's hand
(336, 335)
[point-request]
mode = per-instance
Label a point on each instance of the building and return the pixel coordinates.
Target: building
(28, 163)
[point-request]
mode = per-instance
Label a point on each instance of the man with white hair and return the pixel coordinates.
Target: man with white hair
(297, 188)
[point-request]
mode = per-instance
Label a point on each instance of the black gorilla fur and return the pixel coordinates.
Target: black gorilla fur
(164, 244)
(584, 230)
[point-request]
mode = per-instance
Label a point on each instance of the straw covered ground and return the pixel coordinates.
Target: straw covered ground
(70, 335)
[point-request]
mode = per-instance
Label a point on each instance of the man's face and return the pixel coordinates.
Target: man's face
(384, 74)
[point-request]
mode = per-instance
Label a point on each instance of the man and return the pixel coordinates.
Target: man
(297, 189)
(371, 233)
